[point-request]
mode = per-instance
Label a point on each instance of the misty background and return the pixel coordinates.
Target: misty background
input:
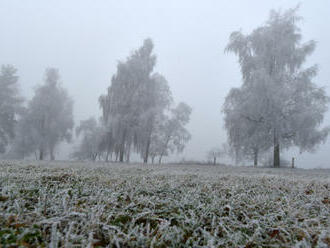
(86, 39)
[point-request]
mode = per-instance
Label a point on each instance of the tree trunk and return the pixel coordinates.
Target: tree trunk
(255, 153)
(52, 156)
(214, 160)
(128, 156)
(41, 154)
(150, 129)
(236, 156)
(42, 128)
(152, 159)
(277, 155)
(117, 153)
(146, 155)
(107, 157)
(122, 148)
(94, 157)
(276, 159)
(121, 155)
(164, 149)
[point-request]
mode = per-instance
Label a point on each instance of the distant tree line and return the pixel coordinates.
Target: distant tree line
(277, 106)
(138, 116)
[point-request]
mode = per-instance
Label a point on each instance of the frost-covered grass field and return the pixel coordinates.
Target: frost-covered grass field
(66, 204)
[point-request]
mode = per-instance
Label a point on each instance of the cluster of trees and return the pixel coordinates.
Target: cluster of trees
(138, 115)
(278, 105)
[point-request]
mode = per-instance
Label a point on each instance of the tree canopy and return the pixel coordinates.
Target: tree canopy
(278, 104)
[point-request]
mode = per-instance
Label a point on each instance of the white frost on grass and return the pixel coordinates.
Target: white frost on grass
(72, 204)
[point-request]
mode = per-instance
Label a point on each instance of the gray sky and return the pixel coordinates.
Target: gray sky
(85, 40)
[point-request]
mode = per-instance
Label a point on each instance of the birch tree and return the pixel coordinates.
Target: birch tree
(278, 96)
(158, 100)
(134, 99)
(172, 135)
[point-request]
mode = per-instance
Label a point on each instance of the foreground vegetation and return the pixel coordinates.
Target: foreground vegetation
(63, 204)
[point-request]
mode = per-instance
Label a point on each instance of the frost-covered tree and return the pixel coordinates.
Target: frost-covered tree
(10, 105)
(158, 101)
(134, 99)
(172, 135)
(123, 104)
(278, 100)
(92, 134)
(49, 117)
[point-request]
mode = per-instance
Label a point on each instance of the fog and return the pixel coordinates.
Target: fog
(86, 39)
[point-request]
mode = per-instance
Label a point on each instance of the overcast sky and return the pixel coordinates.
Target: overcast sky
(85, 40)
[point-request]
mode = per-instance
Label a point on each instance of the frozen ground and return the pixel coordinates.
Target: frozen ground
(66, 204)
